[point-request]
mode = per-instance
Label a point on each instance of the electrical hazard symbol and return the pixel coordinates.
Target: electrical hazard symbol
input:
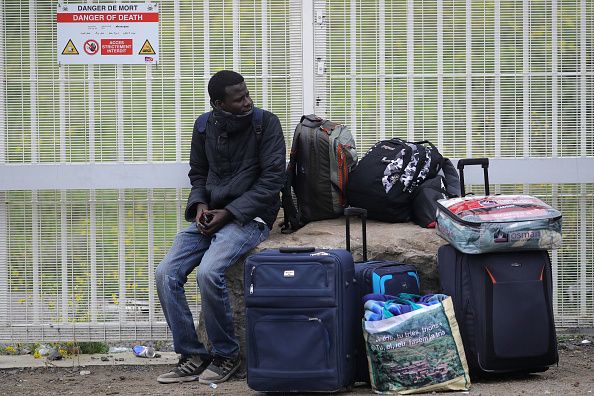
(147, 49)
(70, 49)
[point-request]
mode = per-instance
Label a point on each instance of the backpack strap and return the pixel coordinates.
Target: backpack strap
(422, 158)
(435, 158)
(202, 121)
(292, 217)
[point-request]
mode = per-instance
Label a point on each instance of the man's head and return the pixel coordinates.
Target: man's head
(228, 92)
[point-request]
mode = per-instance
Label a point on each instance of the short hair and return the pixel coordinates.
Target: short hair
(220, 81)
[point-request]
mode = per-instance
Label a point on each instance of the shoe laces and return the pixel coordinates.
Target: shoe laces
(224, 363)
(187, 364)
(182, 361)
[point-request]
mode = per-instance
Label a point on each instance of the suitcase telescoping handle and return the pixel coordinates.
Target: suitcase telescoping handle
(484, 162)
(361, 213)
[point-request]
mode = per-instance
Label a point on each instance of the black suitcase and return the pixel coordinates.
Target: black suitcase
(503, 303)
(375, 276)
(300, 308)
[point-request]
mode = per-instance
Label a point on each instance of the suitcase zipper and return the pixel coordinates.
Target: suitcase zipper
(252, 279)
(454, 217)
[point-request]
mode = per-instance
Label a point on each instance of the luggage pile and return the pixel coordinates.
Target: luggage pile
(499, 277)
(319, 322)
(307, 332)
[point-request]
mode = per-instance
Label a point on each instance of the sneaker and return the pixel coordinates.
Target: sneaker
(188, 368)
(219, 370)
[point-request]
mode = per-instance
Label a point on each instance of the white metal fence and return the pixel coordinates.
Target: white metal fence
(93, 159)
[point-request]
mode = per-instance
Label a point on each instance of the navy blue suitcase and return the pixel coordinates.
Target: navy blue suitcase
(503, 305)
(375, 276)
(300, 308)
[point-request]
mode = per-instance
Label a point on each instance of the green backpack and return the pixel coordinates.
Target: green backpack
(322, 155)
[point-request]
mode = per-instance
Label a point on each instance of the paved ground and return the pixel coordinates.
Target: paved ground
(113, 359)
(125, 374)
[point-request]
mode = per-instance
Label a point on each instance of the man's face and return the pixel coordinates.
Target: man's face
(237, 100)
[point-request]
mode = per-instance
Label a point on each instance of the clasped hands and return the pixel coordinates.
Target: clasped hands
(209, 222)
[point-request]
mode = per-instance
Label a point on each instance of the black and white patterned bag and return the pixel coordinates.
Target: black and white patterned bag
(384, 180)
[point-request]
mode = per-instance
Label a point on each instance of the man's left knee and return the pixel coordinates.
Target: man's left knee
(207, 277)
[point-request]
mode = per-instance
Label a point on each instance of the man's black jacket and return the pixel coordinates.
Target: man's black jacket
(231, 168)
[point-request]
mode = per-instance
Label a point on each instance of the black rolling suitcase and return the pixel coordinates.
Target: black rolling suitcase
(300, 308)
(375, 276)
(503, 304)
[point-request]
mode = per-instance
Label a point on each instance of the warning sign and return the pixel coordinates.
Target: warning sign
(69, 49)
(116, 47)
(115, 33)
(147, 49)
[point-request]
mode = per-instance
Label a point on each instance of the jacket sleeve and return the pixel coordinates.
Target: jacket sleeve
(264, 193)
(198, 173)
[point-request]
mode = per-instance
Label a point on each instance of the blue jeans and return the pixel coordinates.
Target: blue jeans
(213, 255)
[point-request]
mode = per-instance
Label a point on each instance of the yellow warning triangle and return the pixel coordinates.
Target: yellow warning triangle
(70, 49)
(147, 49)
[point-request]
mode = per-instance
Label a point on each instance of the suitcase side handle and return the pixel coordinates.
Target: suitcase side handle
(483, 162)
(297, 249)
(362, 214)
